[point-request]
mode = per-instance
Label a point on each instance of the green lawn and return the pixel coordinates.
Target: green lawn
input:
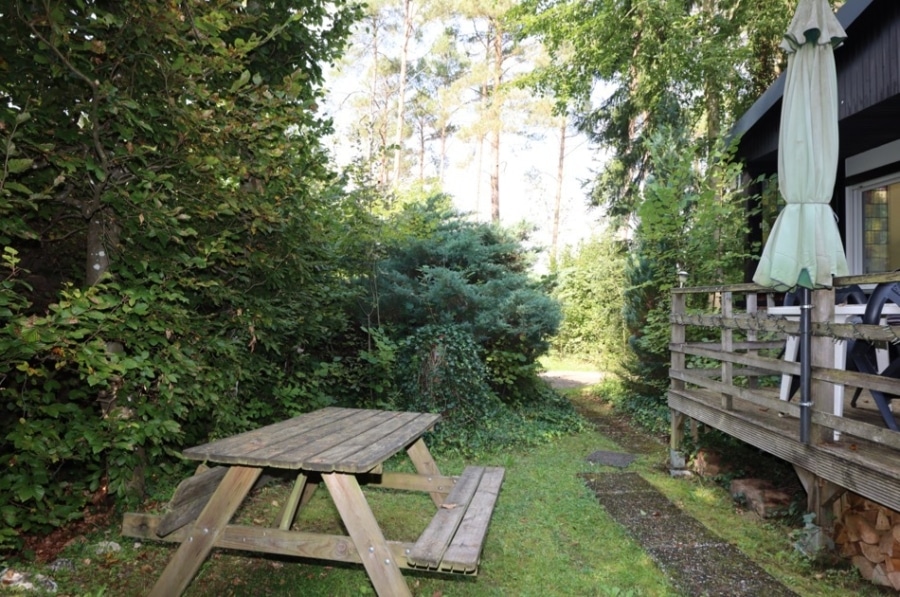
(548, 537)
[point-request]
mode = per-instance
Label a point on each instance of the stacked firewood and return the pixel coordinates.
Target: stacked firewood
(869, 535)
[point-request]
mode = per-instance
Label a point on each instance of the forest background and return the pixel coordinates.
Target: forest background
(185, 256)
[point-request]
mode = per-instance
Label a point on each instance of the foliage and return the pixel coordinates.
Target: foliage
(659, 91)
(441, 371)
(661, 64)
(688, 219)
(174, 149)
(645, 410)
(450, 271)
(456, 326)
(589, 284)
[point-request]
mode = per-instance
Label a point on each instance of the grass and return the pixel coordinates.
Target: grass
(548, 537)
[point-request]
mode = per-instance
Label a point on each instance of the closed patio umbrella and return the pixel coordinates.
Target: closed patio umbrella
(804, 248)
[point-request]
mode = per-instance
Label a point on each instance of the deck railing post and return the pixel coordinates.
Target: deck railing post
(822, 353)
(676, 437)
(751, 299)
(727, 348)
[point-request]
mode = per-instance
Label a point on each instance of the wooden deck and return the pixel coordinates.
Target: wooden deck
(732, 384)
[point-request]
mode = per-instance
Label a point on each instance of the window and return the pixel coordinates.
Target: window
(873, 227)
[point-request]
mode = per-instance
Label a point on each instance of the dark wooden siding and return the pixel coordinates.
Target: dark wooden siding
(869, 63)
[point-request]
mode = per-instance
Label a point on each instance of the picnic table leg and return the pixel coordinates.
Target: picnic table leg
(206, 530)
(366, 535)
(425, 465)
(304, 487)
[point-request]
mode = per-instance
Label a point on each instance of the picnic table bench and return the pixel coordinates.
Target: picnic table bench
(341, 448)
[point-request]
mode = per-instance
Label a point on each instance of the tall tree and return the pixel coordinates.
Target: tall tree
(438, 97)
(661, 63)
(406, 35)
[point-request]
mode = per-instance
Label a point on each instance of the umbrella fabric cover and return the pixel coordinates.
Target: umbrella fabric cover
(804, 247)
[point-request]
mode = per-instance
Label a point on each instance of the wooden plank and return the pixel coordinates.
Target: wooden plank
(304, 442)
(190, 498)
(305, 449)
(849, 378)
(761, 322)
(237, 445)
(317, 546)
(426, 466)
(464, 552)
(741, 288)
(433, 542)
(822, 356)
(367, 537)
(365, 449)
(755, 396)
(289, 512)
(334, 432)
(677, 360)
(751, 343)
(203, 534)
(437, 484)
(742, 345)
(779, 366)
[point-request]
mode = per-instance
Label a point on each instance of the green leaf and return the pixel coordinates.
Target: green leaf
(242, 80)
(15, 166)
(14, 186)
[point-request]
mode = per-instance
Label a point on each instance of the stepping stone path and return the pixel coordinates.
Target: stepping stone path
(695, 560)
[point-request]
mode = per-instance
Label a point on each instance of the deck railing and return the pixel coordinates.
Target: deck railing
(724, 341)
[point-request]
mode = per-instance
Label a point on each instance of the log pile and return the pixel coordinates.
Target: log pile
(869, 535)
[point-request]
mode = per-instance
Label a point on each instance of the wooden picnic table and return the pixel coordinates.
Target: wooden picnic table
(339, 447)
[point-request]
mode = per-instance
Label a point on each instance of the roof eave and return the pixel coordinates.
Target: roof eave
(848, 13)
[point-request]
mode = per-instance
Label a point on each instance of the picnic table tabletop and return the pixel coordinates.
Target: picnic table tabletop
(347, 440)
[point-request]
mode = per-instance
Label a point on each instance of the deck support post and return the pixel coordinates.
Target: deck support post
(820, 494)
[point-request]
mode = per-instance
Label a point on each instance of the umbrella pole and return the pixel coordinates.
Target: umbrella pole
(805, 365)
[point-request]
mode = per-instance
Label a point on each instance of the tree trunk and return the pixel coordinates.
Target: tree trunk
(554, 247)
(443, 152)
(401, 90)
(97, 257)
(421, 153)
(497, 43)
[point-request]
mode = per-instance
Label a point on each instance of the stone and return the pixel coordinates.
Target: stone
(708, 463)
(760, 496)
(107, 547)
(24, 581)
(62, 564)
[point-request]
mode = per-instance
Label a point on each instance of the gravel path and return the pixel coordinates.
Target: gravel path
(692, 556)
(565, 380)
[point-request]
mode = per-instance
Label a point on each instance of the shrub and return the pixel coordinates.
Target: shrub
(441, 371)
(450, 271)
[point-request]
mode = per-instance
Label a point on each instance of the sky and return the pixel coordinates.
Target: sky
(529, 160)
(527, 173)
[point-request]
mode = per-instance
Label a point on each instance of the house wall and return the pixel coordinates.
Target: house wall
(869, 63)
